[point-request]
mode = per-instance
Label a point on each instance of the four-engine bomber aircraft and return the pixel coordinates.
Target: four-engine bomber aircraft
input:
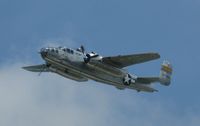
(78, 65)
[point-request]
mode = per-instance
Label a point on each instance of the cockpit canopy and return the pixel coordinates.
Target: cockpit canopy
(56, 50)
(67, 50)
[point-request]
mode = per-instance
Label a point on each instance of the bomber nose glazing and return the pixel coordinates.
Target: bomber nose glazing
(43, 52)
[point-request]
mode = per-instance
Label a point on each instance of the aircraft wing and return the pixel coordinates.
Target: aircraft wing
(37, 68)
(127, 60)
(67, 74)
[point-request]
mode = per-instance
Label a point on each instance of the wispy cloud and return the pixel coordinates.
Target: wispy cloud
(28, 99)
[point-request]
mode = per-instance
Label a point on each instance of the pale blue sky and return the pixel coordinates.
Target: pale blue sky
(112, 27)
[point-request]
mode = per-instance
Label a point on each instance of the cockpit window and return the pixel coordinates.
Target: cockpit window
(79, 49)
(68, 50)
(64, 49)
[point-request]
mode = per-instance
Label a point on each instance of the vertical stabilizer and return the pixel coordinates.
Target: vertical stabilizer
(165, 73)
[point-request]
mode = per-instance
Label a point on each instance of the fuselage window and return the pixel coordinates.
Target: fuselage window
(78, 49)
(68, 50)
(64, 50)
(78, 54)
(72, 52)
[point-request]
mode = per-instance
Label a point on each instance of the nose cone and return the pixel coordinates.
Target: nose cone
(43, 52)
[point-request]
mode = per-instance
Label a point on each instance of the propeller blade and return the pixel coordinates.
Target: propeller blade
(82, 49)
(43, 69)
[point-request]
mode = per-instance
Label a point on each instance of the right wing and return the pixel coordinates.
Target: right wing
(68, 74)
(127, 60)
(37, 68)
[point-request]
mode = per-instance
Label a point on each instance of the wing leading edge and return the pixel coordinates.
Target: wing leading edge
(66, 73)
(37, 68)
(127, 60)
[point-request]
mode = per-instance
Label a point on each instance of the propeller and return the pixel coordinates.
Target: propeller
(40, 72)
(82, 49)
(87, 59)
(45, 66)
(89, 56)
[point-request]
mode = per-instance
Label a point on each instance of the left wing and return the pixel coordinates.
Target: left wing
(37, 68)
(127, 60)
(68, 74)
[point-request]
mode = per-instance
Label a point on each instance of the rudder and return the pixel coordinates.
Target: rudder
(165, 73)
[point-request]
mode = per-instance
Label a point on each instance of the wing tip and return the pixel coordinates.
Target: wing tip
(26, 68)
(156, 55)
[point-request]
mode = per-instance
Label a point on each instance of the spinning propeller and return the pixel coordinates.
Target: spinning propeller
(90, 56)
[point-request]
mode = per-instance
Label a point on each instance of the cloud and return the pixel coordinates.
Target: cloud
(28, 99)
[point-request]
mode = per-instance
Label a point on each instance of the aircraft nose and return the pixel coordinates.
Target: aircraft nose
(43, 52)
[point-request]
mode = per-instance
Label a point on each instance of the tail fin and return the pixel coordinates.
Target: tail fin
(165, 73)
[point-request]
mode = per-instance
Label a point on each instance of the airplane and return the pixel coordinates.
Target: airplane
(79, 65)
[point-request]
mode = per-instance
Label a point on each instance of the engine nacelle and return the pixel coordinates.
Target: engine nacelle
(92, 57)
